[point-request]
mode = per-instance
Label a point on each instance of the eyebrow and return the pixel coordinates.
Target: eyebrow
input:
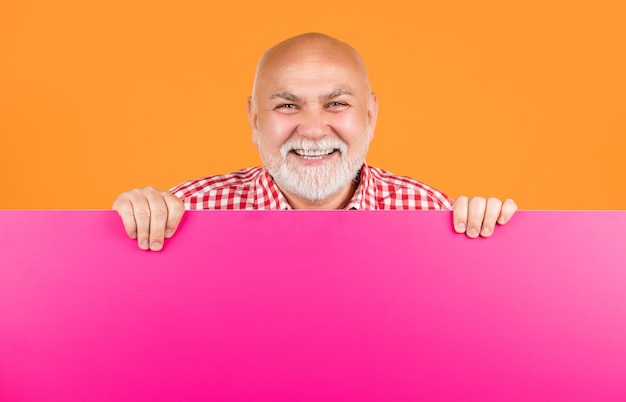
(338, 92)
(294, 98)
(285, 95)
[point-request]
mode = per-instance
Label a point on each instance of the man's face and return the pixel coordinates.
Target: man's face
(312, 117)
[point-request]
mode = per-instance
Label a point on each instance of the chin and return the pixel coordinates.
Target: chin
(315, 183)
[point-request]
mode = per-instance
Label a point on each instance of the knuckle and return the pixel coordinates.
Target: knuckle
(122, 206)
(178, 208)
(159, 213)
(141, 192)
(511, 203)
(461, 199)
(460, 210)
(143, 214)
(174, 203)
(118, 200)
(477, 202)
(122, 201)
(156, 234)
(168, 195)
(494, 200)
(127, 214)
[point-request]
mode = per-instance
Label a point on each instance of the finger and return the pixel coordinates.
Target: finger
(175, 210)
(492, 213)
(158, 219)
(124, 208)
(141, 212)
(475, 215)
(459, 213)
(509, 207)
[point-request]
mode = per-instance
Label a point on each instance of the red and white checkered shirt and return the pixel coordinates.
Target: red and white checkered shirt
(254, 188)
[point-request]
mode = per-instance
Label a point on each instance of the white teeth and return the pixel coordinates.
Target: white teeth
(313, 152)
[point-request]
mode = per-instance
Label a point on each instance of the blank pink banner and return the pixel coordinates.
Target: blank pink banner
(312, 306)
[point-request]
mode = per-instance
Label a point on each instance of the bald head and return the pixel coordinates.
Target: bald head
(309, 47)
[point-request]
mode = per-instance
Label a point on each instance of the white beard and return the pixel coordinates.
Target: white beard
(314, 183)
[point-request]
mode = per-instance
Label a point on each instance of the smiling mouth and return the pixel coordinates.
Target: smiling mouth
(314, 154)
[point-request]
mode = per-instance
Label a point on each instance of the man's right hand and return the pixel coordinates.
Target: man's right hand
(149, 215)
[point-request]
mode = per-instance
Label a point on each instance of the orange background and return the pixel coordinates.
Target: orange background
(514, 99)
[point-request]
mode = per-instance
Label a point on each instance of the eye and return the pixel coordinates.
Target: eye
(286, 106)
(337, 106)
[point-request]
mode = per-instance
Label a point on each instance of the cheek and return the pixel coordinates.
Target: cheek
(276, 128)
(351, 127)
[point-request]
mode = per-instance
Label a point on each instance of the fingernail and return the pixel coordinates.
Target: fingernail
(502, 220)
(472, 232)
(460, 227)
(156, 246)
(145, 245)
(486, 232)
(133, 235)
(168, 233)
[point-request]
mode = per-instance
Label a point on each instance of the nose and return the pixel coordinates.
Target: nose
(312, 124)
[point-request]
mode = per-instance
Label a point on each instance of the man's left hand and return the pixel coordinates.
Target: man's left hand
(477, 216)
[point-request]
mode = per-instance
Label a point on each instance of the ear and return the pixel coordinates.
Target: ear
(253, 119)
(372, 114)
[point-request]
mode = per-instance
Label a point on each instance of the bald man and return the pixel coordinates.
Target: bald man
(312, 114)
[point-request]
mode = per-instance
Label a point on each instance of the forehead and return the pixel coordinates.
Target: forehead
(312, 69)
